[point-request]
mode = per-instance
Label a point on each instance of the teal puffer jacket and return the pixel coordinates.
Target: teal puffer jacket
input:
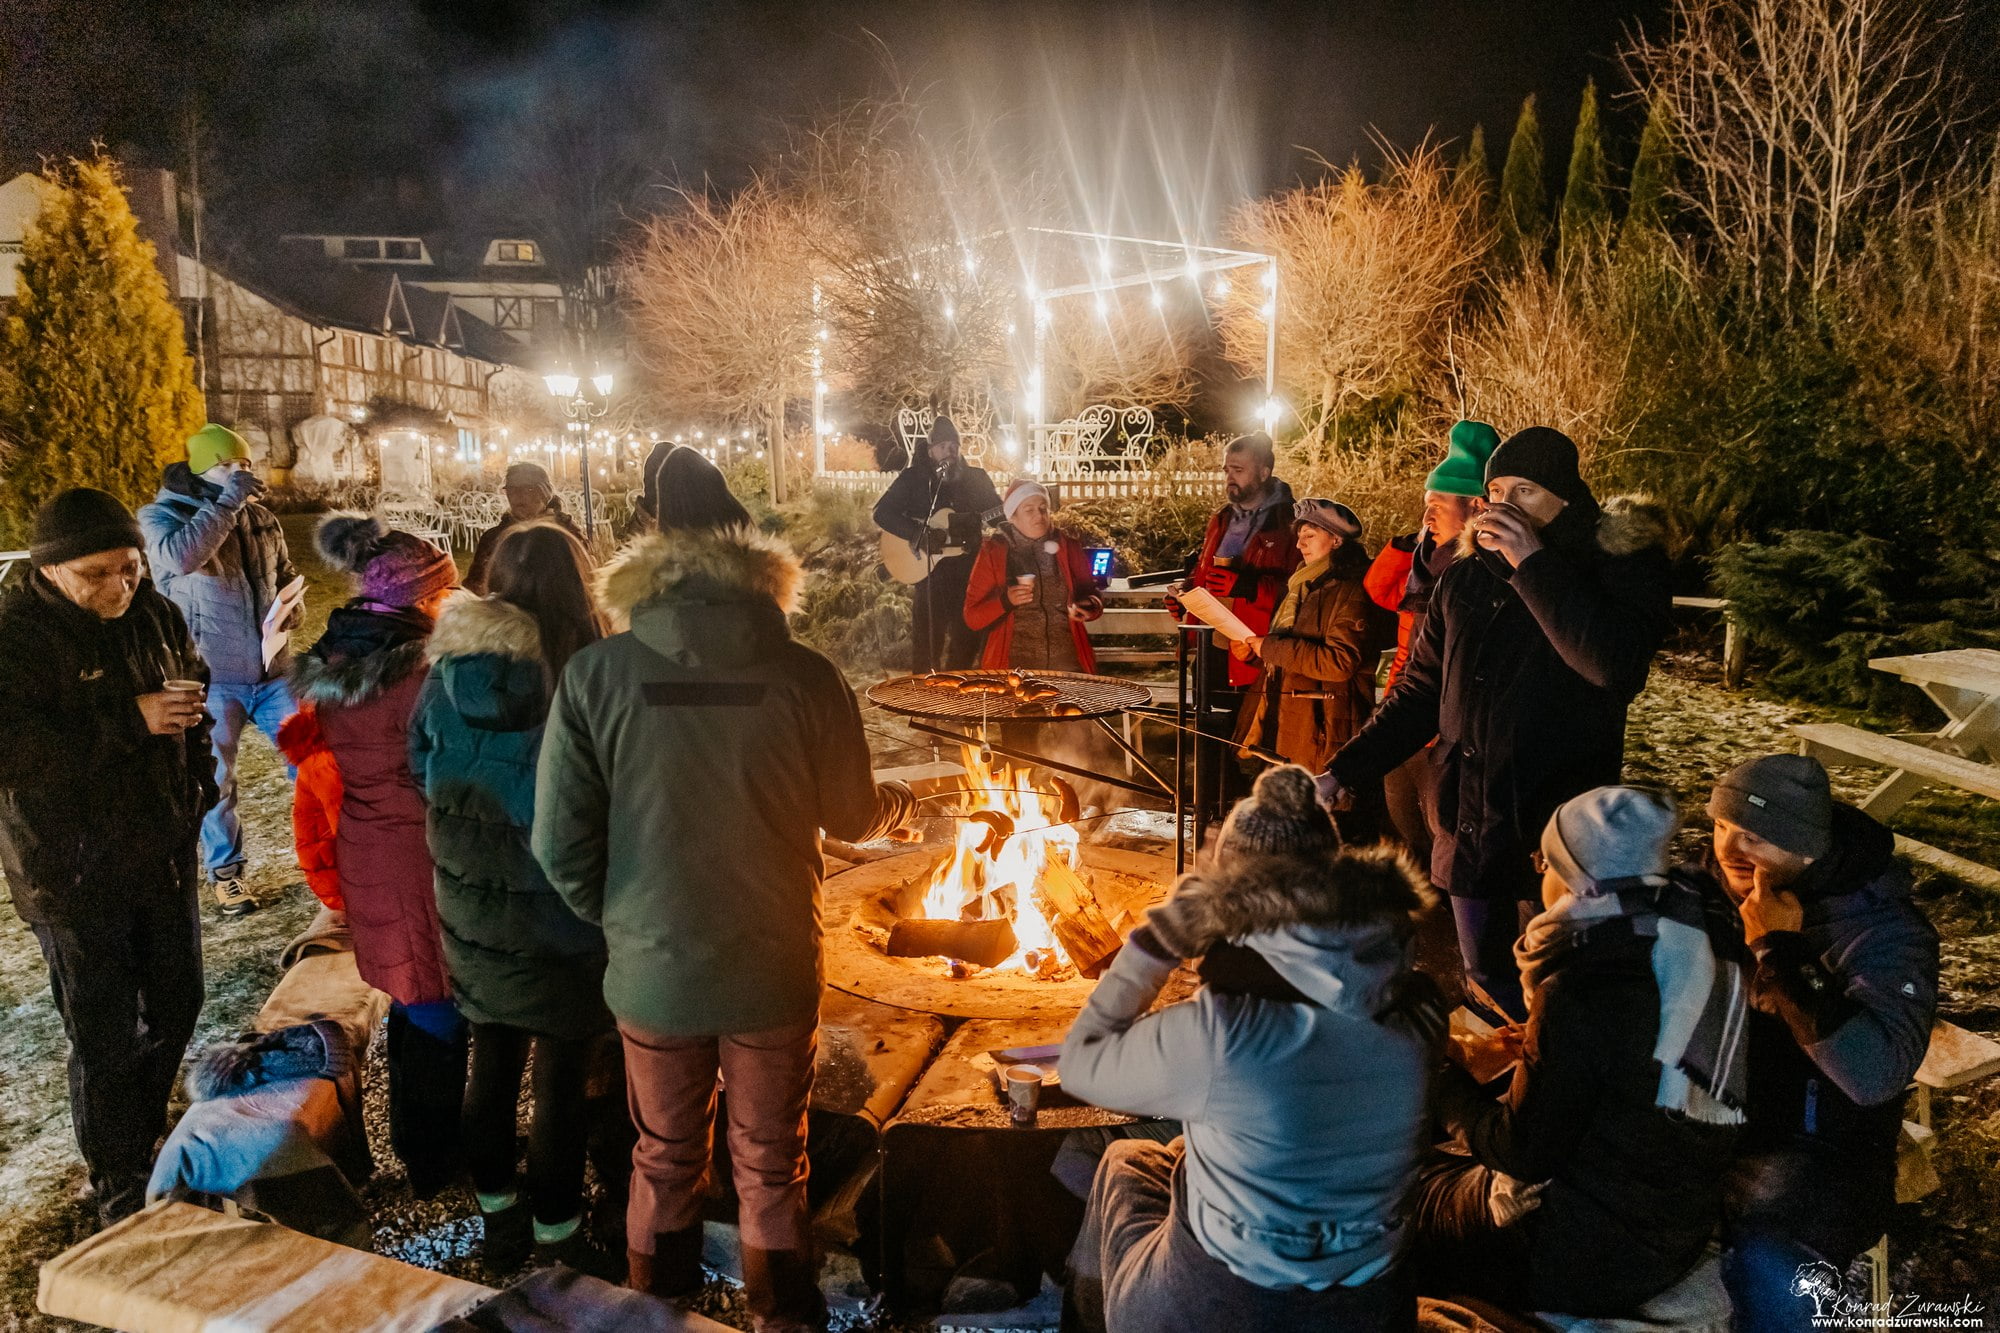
(517, 955)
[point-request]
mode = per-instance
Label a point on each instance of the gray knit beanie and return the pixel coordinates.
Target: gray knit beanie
(1282, 816)
(1609, 834)
(1782, 798)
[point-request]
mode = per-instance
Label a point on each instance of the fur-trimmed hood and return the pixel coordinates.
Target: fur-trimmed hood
(704, 564)
(318, 1049)
(704, 600)
(1337, 927)
(362, 654)
(470, 625)
(1625, 525)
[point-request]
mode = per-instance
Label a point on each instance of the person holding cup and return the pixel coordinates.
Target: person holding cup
(1031, 590)
(104, 780)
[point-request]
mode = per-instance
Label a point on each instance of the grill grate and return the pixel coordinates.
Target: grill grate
(1098, 696)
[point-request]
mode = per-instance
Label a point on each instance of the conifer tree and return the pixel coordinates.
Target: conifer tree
(1586, 205)
(1652, 175)
(1524, 219)
(1472, 178)
(99, 389)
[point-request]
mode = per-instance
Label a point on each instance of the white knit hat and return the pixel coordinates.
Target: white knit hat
(1019, 494)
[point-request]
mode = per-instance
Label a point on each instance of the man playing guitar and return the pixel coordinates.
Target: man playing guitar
(937, 480)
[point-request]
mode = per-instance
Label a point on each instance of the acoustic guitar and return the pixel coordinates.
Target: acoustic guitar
(909, 563)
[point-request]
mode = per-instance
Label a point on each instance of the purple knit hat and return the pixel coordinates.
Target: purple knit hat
(396, 568)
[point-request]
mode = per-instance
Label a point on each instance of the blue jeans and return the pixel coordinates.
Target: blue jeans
(1487, 929)
(229, 706)
(1760, 1268)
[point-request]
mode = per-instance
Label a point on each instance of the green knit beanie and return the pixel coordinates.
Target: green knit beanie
(1463, 471)
(214, 444)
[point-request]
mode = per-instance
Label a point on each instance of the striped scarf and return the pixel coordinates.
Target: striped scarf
(1701, 968)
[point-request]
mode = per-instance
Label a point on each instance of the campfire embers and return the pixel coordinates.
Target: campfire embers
(1010, 896)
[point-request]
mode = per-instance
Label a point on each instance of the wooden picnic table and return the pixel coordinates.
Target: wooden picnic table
(1964, 753)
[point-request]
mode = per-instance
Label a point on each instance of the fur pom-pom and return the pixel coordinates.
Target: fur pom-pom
(316, 1049)
(1286, 792)
(349, 541)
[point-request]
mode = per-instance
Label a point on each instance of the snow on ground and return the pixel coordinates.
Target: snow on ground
(1685, 729)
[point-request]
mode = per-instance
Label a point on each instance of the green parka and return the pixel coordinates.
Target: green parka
(688, 768)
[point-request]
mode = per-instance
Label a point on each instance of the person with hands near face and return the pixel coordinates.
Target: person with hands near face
(1843, 998)
(1534, 644)
(105, 775)
(1300, 1071)
(219, 555)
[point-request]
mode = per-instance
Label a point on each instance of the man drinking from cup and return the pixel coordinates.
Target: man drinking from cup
(104, 778)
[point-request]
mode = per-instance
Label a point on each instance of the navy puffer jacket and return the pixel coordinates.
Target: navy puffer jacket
(516, 953)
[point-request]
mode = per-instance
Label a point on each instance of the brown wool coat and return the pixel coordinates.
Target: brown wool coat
(1319, 686)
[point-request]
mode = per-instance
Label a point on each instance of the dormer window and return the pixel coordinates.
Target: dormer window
(355, 247)
(402, 249)
(517, 252)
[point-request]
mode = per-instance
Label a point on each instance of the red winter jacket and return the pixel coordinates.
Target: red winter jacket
(1385, 581)
(363, 679)
(1255, 584)
(316, 800)
(986, 600)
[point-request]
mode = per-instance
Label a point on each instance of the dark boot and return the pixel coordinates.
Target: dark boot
(510, 1234)
(782, 1287)
(673, 1270)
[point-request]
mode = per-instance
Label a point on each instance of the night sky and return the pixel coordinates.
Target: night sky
(412, 114)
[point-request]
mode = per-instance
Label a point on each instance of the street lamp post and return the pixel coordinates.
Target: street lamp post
(582, 409)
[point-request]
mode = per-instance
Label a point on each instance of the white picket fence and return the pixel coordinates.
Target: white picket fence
(1079, 486)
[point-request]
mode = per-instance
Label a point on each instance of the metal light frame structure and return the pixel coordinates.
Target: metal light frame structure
(581, 409)
(1178, 261)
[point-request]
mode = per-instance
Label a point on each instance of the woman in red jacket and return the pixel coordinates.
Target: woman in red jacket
(361, 680)
(1032, 590)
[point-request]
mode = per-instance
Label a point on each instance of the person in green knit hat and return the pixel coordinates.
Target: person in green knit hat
(220, 556)
(1401, 580)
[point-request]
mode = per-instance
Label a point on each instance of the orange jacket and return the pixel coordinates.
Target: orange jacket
(986, 600)
(1385, 581)
(315, 804)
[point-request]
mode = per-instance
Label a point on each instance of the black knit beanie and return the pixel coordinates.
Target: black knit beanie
(1542, 455)
(79, 523)
(1282, 816)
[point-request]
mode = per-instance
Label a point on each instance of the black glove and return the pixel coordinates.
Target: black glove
(241, 486)
(935, 541)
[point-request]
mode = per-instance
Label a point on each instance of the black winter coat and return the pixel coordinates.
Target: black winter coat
(516, 953)
(93, 806)
(1523, 675)
(1634, 1191)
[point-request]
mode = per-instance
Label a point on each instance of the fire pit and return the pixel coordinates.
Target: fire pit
(1016, 920)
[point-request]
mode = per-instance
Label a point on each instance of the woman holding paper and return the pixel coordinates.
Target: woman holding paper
(1320, 656)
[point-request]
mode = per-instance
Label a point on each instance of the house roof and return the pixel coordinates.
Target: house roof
(379, 301)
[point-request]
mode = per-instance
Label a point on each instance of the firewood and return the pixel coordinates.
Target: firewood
(1078, 922)
(986, 943)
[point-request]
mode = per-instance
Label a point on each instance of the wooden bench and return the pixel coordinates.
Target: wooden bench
(1732, 642)
(1917, 766)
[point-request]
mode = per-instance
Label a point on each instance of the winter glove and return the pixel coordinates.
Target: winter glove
(1332, 795)
(1220, 582)
(241, 486)
(934, 541)
(1185, 924)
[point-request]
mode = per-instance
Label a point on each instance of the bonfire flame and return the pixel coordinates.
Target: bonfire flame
(1011, 837)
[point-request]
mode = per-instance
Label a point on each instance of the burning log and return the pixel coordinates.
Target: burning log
(985, 943)
(1079, 924)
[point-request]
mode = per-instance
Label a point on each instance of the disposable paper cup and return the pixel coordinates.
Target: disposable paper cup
(1025, 580)
(1024, 1092)
(184, 686)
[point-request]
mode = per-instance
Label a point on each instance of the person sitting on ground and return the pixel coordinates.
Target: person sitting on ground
(105, 774)
(362, 680)
(524, 970)
(1319, 657)
(1595, 1182)
(1535, 644)
(1844, 995)
(220, 556)
(1301, 1072)
(1405, 572)
(1031, 590)
(531, 498)
(689, 766)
